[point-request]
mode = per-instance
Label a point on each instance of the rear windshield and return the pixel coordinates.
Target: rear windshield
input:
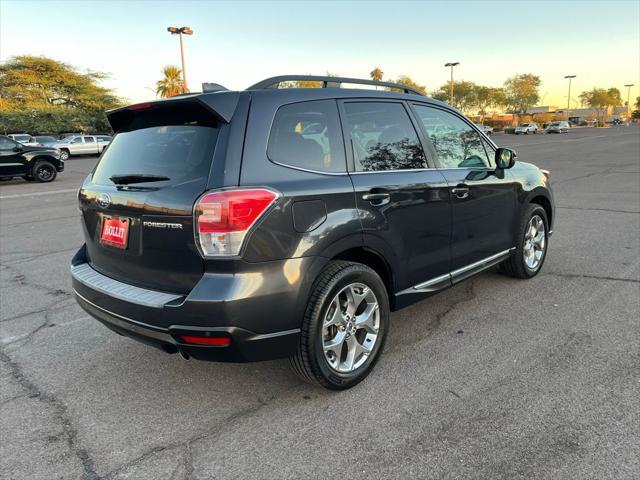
(180, 152)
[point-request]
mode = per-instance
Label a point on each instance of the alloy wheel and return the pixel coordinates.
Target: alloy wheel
(350, 328)
(45, 172)
(535, 241)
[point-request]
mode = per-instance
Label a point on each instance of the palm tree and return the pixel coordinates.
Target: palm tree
(172, 84)
(376, 74)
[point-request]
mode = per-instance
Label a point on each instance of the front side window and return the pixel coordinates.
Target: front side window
(76, 140)
(457, 145)
(383, 137)
(6, 144)
(89, 140)
(307, 135)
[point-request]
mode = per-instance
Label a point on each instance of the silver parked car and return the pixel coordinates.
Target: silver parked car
(23, 138)
(82, 145)
(485, 128)
(558, 127)
(527, 128)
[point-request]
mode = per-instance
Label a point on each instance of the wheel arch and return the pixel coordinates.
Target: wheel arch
(545, 203)
(374, 260)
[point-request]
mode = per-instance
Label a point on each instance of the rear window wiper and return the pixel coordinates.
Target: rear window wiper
(137, 178)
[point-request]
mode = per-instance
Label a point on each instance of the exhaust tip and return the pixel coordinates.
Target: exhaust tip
(184, 355)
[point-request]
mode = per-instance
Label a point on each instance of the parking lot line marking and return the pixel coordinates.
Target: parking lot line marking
(37, 194)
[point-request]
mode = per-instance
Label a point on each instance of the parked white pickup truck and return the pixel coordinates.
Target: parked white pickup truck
(82, 145)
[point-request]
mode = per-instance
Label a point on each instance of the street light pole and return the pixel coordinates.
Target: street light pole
(180, 32)
(629, 85)
(569, 95)
(451, 64)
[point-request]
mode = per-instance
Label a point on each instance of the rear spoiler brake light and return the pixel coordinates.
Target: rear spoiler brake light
(220, 105)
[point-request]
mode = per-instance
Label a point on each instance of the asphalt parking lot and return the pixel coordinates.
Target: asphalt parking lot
(494, 378)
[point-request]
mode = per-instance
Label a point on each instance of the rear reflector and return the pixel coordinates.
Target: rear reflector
(223, 219)
(211, 341)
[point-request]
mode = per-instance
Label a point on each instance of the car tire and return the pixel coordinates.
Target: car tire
(44, 171)
(333, 351)
(530, 253)
(64, 154)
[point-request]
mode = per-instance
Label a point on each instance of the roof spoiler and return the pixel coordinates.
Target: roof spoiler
(221, 105)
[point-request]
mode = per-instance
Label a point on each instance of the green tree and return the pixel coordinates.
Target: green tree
(406, 80)
(29, 82)
(488, 97)
(464, 95)
(600, 100)
(637, 104)
(171, 83)
(376, 74)
(521, 92)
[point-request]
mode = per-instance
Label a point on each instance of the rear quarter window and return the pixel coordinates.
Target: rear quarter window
(307, 135)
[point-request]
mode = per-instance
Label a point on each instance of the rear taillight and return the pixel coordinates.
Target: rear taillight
(223, 218)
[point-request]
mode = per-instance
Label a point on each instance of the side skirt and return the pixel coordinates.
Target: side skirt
(427, 288)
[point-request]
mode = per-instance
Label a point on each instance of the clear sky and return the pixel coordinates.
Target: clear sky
(238, 43)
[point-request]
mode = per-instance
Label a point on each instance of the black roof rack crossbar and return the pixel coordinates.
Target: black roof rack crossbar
(273, 82)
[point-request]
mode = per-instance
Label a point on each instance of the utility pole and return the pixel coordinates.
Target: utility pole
(629, 85)
(569, 95)
(180, 31)
(451, 64)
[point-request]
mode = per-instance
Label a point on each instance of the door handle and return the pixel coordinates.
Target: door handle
(461, 191)
(376, 198)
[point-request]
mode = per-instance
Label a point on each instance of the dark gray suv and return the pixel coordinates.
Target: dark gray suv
(289, 222)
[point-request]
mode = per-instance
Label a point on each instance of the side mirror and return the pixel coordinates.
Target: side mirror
(505, 158)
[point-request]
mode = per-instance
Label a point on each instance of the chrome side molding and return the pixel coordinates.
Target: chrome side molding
(448, 279)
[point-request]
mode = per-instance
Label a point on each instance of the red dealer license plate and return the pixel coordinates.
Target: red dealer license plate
(115, 231)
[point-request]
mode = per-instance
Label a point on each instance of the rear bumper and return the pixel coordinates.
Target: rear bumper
(259, 310)
(245, 346)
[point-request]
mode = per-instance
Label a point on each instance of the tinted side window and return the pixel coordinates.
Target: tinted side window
(76, 140)
(307, 135)
(457, 145)
(89, 140)
(383, 137)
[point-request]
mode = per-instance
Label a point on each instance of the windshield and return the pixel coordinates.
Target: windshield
(46, 139)
(180, 153)
(555, 124)
(21, 138)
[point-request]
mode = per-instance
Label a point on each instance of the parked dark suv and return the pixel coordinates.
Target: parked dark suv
(289, 222)
(28, 161)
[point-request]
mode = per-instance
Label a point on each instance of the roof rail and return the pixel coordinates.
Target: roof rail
(273, 82)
